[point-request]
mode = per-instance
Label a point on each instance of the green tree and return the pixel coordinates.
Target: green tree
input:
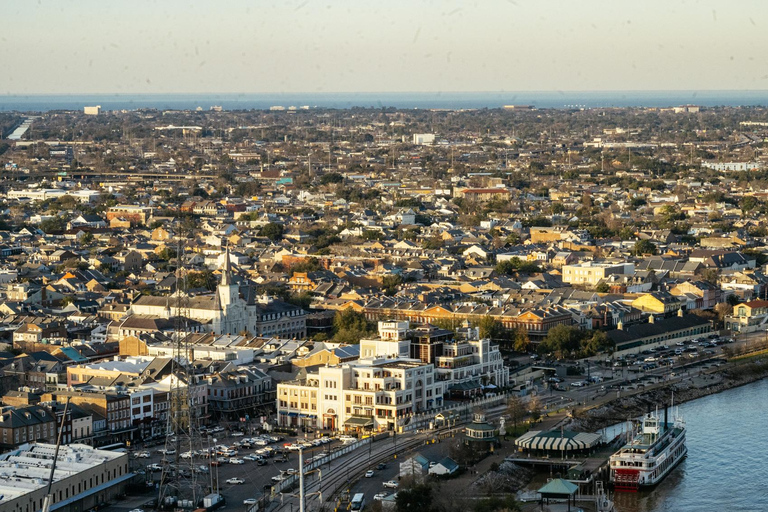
(416, 499)
(748, 203)
(273, 231)
(203, 279)
(497, 504)
(491, 328)
(331, 177)
(166, 254)
(598, 342)
(434, 242)
(561, 340)
(54, 225)
(310, 264)
(349, 326)
(643, 247)
(603, 287)
(391, 283)
(520, 339)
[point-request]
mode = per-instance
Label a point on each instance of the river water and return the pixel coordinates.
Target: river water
(727, 464)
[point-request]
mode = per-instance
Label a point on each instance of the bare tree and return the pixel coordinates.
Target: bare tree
(515, 410)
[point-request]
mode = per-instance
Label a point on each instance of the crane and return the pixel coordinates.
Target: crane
(48, 495)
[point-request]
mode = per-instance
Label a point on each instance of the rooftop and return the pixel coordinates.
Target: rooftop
(27, 468)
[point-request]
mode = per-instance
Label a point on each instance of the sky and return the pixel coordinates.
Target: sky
(288, 46)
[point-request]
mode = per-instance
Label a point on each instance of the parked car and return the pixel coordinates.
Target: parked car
(250, 501)
(390, 484)
(236, 461)
(234, 481)
(379, 496)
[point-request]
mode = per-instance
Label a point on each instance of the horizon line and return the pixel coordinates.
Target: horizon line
(437, 92)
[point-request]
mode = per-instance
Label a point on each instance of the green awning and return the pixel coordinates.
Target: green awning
(359, 421)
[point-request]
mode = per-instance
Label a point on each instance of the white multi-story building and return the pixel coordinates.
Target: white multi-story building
(477, 362)
(373, 394)
(394, 378)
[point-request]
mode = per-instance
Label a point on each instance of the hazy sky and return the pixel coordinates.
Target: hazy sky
(166, 46)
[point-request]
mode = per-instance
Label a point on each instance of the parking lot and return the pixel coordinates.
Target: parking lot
(254, 460)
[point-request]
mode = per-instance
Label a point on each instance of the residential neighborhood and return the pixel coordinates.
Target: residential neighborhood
(352, 272)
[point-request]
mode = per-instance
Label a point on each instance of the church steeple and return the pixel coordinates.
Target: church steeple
(226, 277)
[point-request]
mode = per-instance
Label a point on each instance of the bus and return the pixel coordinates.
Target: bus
(358, 502)
(117, 447)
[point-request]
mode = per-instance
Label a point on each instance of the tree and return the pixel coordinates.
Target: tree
(310, 264)
(561, 340)
(53, 225)
(166, 254)
(598, 342)
(711, 275)
(748, 203)
(350, 326)
(520, 339)
(86, 239)
(491, 328)
(497, 504)
(416, 499)
(273, 231)
(603, 287)
(204, 279)
(534, 408)
(643, 247)
(515, 410)
(434, 242)
(331, 177)
(391, 283)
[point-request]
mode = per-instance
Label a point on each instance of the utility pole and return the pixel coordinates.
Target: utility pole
(301, 479)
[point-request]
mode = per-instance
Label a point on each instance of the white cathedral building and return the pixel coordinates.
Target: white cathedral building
(231, 309)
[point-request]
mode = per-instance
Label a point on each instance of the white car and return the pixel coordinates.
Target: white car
(142, 455)
(233, 481)
(347, 439)
(237, 434)
(250, 501)
(369, 473)
(278, 478)
(390, 484)
(379, 496)
(236, 461)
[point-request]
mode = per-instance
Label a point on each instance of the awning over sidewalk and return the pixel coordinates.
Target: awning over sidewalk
(359, 421)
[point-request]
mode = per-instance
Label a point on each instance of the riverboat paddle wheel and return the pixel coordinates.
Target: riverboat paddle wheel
(626, 480)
